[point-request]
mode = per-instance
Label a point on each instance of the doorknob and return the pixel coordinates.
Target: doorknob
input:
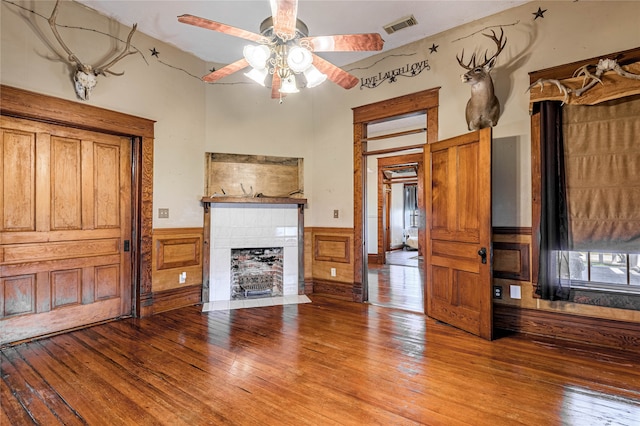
(483, 254)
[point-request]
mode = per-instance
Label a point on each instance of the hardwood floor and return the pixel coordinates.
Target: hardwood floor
(323, 363)
(398, 283)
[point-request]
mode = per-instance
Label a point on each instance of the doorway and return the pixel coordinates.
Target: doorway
(394, 273)
(394, 127)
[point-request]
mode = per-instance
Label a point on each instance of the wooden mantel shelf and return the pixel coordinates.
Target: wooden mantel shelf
(255, 200)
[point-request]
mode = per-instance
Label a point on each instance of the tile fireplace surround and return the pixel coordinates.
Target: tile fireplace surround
(239, 225)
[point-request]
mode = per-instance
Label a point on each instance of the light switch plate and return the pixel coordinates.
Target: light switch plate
(514, 292)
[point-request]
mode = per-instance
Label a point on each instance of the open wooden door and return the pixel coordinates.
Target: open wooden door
(65, 228)
(458, 247)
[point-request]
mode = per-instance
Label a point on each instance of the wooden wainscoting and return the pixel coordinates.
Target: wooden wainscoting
(599, 332)
(529, 315)
(327, 249)
(512, 260)
(175, 251)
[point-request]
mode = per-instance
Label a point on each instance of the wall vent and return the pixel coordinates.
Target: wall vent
(407, 21)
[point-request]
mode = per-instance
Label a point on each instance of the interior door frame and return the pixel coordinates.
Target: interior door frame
(425, 101)
(24, 104)
(384, 197)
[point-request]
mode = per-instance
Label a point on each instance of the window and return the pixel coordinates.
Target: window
(603, 271)
(589, 197)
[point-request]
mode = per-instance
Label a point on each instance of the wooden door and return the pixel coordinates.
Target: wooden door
(65, 228)
(458, 207)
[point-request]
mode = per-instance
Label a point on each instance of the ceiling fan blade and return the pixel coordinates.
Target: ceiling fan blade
(345, 43)
(225, 71)
(285, 15)
(334, 73)
(276, 83)
(222, 28)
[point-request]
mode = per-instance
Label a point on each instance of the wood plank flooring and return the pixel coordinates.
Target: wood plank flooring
(329, 362)
(399, 283)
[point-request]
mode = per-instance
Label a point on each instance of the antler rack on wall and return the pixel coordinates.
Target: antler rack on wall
(591, 84)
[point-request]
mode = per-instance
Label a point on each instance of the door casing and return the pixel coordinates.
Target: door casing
(423, 102)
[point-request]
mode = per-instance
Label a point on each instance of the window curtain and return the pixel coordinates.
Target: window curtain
(602, 163)
(590, 187)
(553, 283)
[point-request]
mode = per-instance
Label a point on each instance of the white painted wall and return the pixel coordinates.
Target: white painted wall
(148, 88)
(193, 118)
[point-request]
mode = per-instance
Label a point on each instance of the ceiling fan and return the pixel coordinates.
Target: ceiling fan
(284, 51)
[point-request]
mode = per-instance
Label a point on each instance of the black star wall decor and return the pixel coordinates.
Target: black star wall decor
(154, 52)
(433, 48)
(539, 13)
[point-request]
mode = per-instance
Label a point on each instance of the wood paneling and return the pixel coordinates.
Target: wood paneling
(177, 250)
(511, 261)
(18, 180)
(25, 104)
(175, 298)
(272, 176)
(332, 248)
(77, 207)
(593, 331)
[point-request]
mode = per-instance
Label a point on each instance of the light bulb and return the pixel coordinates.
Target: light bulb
(314, 76)
(289, 85)
(299, 59)
(257, 56)
(258, 75)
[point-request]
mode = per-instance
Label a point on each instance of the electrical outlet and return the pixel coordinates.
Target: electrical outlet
(497, 292)
(182, 278)
(336, 214)
(163, 213)
(333, 272)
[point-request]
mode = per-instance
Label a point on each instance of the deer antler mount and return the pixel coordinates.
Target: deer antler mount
(483, 108)
(591, 75)
(85, 76)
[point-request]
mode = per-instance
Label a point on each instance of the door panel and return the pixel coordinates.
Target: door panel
(65, 216)
(458, 206)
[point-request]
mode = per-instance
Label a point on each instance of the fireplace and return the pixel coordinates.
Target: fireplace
(254, 252)
(256, 272)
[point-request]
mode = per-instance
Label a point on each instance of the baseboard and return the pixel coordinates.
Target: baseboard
(597, 332)
(340, 290)
(373, 259)
(167, 300)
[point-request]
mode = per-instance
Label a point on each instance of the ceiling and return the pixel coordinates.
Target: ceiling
(158, 19)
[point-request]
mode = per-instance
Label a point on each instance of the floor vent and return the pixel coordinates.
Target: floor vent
(407, 21)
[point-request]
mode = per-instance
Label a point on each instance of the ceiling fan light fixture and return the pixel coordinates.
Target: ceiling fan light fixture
(314, 76)
(299, 59)
(258, 75)
(289, 85)
(257, 56)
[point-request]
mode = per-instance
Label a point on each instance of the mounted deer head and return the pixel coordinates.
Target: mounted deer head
(483, 108)
(85, 76)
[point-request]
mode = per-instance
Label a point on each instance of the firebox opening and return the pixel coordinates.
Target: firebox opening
(256, 272)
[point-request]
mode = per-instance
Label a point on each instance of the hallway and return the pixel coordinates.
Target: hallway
(399, 283)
